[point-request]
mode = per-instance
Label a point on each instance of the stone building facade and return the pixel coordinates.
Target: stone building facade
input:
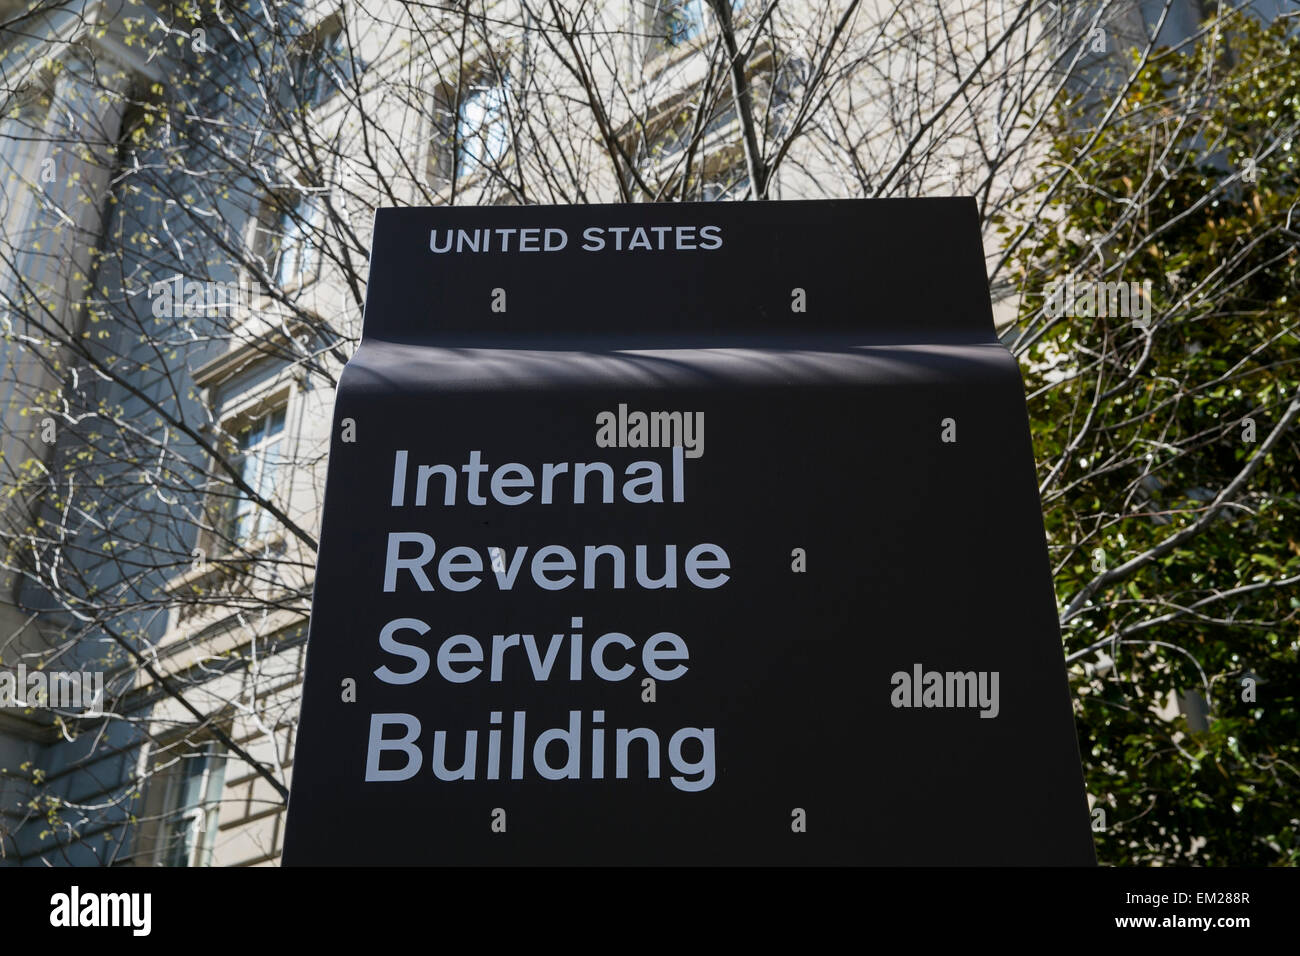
(110, 216)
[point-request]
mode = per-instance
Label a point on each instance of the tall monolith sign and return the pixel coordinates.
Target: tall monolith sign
(683, 534)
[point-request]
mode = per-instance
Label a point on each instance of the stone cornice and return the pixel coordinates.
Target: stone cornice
(244, 354)
(38, 727)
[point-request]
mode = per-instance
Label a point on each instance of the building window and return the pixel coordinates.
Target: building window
(483, 127)
(194, 808)
(260, 457)
(472, 134)
(322, 66)
(678, 22)
(685, 21)
(732, 186)
(294, 241)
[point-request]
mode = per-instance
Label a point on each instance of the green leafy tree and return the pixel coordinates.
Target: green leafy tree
(1169, 458)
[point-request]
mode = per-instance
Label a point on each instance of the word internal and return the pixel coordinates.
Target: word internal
(512, 482)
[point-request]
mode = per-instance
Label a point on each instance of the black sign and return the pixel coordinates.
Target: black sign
(691, 534)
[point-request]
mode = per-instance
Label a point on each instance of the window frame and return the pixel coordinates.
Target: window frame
(659, 16)
(199, 821)
(299, 212)
(312, 55)
(233, 418)
(496, 120)
(685, 21)
(727, 192)
(265, 450)
(447, 146)
(658, 142)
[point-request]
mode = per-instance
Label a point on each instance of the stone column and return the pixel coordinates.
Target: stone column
(55, 167)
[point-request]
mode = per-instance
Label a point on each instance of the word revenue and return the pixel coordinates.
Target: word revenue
(463, 569)
(516, 484)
